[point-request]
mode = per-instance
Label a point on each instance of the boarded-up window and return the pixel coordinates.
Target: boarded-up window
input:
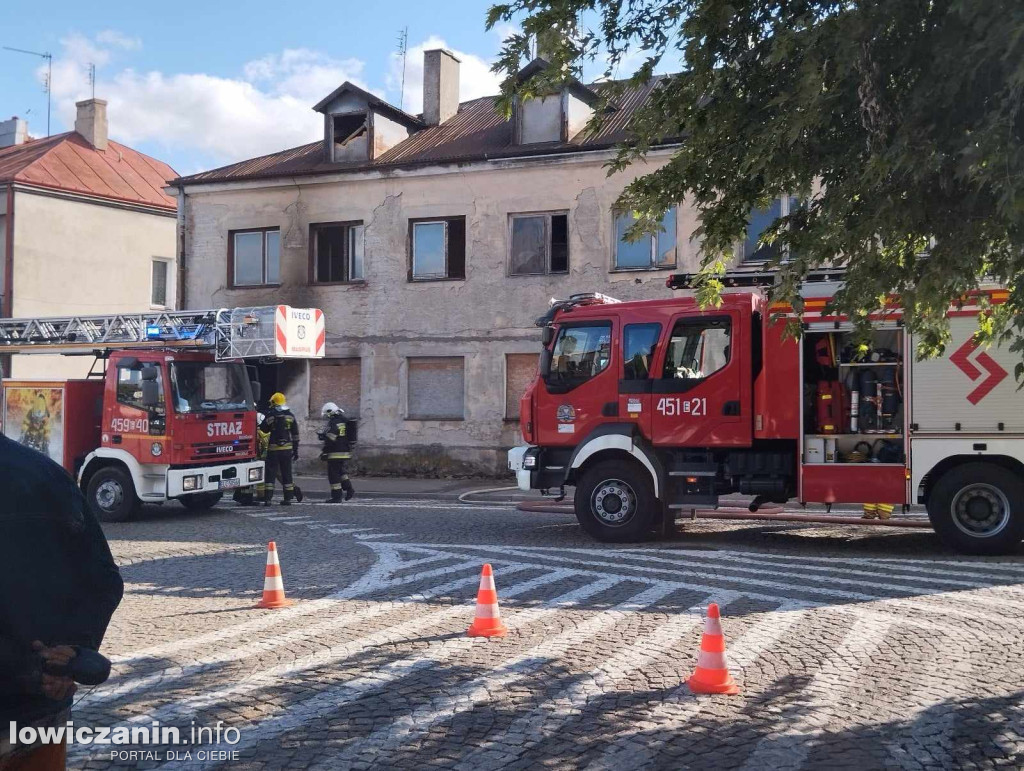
(436, 388)
(335, 380)
(520, 370)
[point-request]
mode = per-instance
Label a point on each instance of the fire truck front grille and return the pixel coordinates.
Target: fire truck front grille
(212, 450)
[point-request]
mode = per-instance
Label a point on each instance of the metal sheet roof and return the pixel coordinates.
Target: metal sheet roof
(68, 162)
(477, 132)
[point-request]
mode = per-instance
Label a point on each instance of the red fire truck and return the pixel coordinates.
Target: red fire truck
(168, 410)
(657, 406)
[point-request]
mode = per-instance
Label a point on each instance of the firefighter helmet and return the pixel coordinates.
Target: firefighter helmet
(331, 409)
(277, 400)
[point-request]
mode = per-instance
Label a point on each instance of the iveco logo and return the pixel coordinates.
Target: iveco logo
(996, 374)
(223, 450)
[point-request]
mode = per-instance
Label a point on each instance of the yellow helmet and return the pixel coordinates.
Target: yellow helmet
(277, 399)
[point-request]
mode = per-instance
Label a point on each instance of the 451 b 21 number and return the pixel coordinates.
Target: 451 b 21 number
(673, 406)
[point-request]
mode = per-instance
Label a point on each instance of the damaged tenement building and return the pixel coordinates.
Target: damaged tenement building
(432, 242)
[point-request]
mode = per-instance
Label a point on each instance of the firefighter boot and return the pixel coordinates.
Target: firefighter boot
(289, 493)
(335, 496)
(349, 489)
(885, 510)
(298, 494)
(870, 511)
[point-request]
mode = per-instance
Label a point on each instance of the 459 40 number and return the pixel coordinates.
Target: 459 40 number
(674, 406)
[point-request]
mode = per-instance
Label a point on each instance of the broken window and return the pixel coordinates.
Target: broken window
(650, 251)
(438, 249)
(348, 127)
(255, 256)
(539, 244)
(520, 370)
(337, 252)
(338, 381)
(436, 388)
(759, 221)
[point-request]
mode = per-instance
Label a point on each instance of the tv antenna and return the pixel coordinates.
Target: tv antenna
(92, 78)
(403, 51)
(49, 77)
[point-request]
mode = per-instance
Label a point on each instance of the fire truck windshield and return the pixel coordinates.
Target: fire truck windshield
(200, 386)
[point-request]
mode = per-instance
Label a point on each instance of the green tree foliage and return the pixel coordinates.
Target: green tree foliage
(899, 121)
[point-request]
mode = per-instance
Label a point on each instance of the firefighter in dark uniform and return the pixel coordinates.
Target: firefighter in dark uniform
(283, 448)
(253, 494)
(337, 451)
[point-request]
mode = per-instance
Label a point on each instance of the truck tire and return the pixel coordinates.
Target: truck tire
(615, 502)
(978, 508)
(200, 501)
(111, 495)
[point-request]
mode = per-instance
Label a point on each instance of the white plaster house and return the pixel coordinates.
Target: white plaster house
(431, 242)
(85, 229)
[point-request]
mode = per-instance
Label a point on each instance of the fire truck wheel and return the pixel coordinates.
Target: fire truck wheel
(200, 501)
(978, 508)
(112, 495)
(615, 501)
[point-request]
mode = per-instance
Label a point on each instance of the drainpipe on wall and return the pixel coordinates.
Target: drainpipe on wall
(7, 305)
(179, 295)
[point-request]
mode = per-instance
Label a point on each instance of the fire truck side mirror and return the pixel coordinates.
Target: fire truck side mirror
(547, 335)
(545, 363)
(255, 386)
(150, 387)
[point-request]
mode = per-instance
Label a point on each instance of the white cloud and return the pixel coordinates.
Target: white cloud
(475, 76)
(266, 109)
(112, 37)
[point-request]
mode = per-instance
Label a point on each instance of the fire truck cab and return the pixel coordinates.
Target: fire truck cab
(657, 406)
(168, 412)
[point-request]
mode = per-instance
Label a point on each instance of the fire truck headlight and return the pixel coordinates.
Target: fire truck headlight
(192, 483)
(157, 449)
(255, 474)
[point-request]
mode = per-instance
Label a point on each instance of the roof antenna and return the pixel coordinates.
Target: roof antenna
(403, 51)
(92, 78)
(49, 77)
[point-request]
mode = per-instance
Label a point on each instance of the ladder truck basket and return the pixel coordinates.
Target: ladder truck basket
(270, 331)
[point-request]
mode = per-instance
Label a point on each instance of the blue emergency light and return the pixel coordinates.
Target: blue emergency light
(153, 332)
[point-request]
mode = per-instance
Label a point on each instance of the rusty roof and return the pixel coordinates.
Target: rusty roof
(68, 162)
(477, 132)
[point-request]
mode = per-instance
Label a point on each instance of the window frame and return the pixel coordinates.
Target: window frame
(653, 240)
(232, 234)
(167, 282)
(408, 391)
(785, 210)
(565, 386)
(446, 221)
(314, 228)
(664, 384)
(547, 215)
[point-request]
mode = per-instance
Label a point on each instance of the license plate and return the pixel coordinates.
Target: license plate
(228, 484)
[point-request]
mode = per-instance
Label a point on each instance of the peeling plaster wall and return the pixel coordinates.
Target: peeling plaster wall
(387, 319)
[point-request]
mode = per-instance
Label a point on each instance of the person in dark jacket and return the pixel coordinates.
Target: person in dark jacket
(59, 588)
(283, 448)
(337, 451)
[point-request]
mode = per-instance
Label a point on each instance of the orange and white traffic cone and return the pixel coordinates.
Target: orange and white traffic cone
(488, 618)
(712, 673)
(273, 586)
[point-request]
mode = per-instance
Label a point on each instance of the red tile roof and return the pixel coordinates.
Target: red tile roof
(69, 162)
(477, 132)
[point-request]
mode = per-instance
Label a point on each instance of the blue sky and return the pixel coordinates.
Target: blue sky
(201, 84)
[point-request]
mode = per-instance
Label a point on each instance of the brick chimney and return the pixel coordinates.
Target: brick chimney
(91, 122)
(13, 132)
(440, 86)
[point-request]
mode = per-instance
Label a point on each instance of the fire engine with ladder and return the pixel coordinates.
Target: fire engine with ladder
(168, 411)
(655, 407)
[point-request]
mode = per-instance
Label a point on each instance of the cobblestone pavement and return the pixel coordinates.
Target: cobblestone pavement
(854, 648)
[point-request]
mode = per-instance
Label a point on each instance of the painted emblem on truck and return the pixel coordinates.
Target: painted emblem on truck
(566, 413)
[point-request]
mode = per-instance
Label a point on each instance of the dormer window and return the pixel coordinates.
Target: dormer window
(361, 127)
(556, 117)
(349, 137)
